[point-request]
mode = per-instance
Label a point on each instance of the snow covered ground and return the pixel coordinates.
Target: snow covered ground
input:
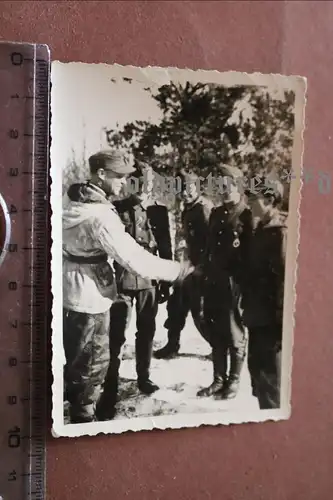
(179, 379)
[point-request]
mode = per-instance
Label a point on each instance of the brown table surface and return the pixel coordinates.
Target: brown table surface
(272, 461)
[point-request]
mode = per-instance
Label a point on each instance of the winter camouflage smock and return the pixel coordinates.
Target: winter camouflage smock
(93, 229)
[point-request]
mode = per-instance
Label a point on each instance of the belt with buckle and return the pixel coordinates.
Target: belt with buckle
(92, 259)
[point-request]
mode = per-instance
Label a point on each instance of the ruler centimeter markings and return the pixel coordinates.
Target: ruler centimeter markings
(24, 279)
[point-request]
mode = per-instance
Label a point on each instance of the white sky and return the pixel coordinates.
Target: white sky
(89, 101)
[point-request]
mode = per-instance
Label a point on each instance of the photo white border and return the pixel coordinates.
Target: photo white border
(160, 76)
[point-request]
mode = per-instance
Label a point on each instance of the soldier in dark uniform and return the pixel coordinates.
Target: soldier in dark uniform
(229, 226)
(148, 223)
(263, 293)
(188, 296)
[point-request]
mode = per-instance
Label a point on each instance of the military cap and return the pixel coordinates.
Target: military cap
(188, 177)
(230, 171)
(266, 186)
(111, 160)
(273, 187)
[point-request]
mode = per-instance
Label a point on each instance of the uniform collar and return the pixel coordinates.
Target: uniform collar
(97, 189)
(188, 206)
(87, 193)
(235, 208)
(143, 204)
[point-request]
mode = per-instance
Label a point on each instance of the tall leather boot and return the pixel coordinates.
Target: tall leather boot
(143, 352)
(220, 374)
(106, 406)
(230, 390)
(177, 309)
(171, 348)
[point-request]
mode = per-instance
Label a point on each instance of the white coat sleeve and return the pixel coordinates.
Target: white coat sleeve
(120, 246)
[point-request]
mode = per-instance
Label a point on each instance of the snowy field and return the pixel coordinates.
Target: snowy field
(179, 379)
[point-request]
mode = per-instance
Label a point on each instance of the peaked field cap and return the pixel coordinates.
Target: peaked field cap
(188, 176)
(112, 161)
(230, 171)
(272, 182)
(266, 186)
(274, 185)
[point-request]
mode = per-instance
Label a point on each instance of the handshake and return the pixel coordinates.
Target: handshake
(187, 269)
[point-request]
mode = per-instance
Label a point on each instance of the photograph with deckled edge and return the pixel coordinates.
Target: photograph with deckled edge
(175, 238)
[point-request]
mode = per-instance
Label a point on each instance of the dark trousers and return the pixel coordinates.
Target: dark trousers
(86, 345)
(120, 315)
(185, 298)
(264, 362)
(224, 325)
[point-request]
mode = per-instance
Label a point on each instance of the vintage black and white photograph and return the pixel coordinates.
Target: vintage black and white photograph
(175, 197)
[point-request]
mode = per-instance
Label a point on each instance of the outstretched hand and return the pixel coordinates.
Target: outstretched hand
(186, 269)
(198, 272)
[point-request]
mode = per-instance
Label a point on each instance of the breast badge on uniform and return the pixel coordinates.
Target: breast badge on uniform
(236, 241)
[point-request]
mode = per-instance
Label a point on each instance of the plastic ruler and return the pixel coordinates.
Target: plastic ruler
(24, 279)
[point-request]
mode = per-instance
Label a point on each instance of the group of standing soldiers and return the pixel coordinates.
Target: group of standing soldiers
(231, 282)
(236, 298)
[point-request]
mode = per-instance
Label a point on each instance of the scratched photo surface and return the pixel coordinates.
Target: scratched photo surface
(175, 197)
